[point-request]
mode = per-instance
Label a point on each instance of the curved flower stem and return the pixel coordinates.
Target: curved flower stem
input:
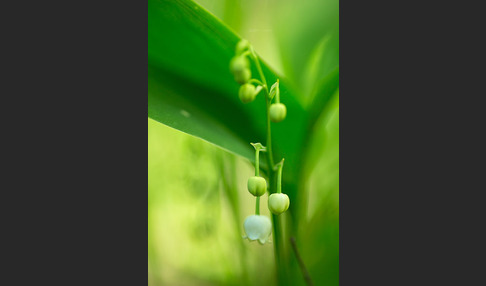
(305, 273)
(255, 81)
(278, 234)
(267, 100)
(279, 176)
(257, 163)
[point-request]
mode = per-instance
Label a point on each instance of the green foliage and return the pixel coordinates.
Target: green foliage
(191, 89)
(308, 36)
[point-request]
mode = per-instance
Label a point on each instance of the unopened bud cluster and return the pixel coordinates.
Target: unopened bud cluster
(258, 227)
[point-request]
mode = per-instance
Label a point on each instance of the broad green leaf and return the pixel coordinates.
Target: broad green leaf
(308, 36)
(323, 226)
(190, 87)
(319, 200)
(323, 93)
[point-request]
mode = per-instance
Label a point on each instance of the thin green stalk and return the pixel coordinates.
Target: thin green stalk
(277, 94)
(305, 273)
(259, 68)
(267, 100)
(278, 240)
(257, 174)
(279, 176)
(269, 134)
(257, 163)
(255, 81)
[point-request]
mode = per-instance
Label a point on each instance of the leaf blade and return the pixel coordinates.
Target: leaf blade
(189, 51)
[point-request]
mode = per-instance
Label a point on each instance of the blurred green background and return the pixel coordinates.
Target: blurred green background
(197, 196)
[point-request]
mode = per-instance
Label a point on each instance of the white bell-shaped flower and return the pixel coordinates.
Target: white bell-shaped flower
(258, 227)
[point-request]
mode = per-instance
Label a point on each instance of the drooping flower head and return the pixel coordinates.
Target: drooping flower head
(258, 227)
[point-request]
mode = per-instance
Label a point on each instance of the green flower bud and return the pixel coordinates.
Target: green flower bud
(258, 227)
(278, 203)
(242, 46)
(257, 186)
(278, 111)
(238, 64)
(243, 76)
(247, 93)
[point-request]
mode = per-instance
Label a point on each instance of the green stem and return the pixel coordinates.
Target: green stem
(278, 245)
(277, 93)
(279, 176)
(257, 163)
(257, 206)
(269, 135)
(259, 67)
(305, 273)
(254, 80)
(246, 53)
(267, 100)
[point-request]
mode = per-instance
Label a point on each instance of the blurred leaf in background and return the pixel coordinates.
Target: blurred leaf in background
(194, 227)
